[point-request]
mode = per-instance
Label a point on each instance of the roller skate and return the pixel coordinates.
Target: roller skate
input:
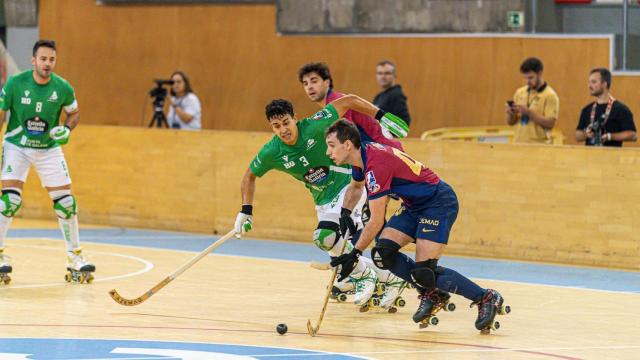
(391, 299)
(5, 268)
(79, 270)
(341, 289)
(430, 303)
(490, 305)
(365, 287)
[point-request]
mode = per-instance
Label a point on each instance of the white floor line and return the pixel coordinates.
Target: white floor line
(148, 265)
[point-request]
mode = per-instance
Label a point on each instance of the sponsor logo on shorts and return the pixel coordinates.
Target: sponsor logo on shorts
(429, 221)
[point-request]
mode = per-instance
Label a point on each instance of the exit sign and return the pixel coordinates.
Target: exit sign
(515, 19)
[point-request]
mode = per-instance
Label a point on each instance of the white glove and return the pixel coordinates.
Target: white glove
(60, 134)
(244, 222)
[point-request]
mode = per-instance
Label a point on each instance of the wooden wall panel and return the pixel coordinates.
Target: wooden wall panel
(565, 204)
(238, 63)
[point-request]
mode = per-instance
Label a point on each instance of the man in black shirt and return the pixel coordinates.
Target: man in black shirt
(391, 98)
(606, 121)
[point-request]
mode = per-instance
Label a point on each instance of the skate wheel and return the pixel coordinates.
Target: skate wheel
(89, 279)
(400, 302)
(495, 325)
(434, 320)
(341, 297)
(504, 310)
(82, 278)
(67, 277)
(375, 302)
(393, 310)
(450, 307)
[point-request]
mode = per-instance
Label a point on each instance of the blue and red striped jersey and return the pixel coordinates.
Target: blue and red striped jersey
(389, 171)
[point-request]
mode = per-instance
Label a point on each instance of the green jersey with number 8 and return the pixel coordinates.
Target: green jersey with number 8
(35, 108)
(307, 159)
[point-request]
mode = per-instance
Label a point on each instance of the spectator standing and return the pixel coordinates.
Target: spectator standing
(535, 106)
(606, 121)
(391, 98)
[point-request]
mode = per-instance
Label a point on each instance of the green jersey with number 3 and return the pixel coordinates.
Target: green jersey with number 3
(35, 108)
(307, 159)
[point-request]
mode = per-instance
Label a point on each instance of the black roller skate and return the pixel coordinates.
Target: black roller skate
(430, 303)
(5, 268)
(490, 305)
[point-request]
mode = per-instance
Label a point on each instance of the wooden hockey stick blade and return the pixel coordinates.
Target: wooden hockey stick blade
(320, 266)
(312, 331)
(142, 298)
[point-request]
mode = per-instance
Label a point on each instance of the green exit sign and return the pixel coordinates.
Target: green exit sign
(515, 19)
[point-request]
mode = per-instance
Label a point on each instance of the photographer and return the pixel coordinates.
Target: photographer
(606, 121)
(184, 105)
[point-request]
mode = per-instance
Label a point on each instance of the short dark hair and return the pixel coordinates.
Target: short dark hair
(319, 68)
(345, 130)
(531, 64)
(387, 62)
(187, 82)
(605, 75)
(278, 108)
(43, 43)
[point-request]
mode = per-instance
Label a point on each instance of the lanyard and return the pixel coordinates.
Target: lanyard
(607, 112)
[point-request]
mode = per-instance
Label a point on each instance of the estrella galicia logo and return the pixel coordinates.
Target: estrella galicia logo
(36, 126)
(317, 175)
(372, 185)
(50, 349)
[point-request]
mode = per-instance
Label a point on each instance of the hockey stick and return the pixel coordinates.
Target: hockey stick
(142, 298)
(320, 266)
(310, 328)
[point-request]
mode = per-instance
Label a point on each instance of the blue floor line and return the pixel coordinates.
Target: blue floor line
(505, 270)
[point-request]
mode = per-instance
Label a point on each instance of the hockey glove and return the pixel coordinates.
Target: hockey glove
(60, 134)
(346, 223)
(347, 263)
(244, 220)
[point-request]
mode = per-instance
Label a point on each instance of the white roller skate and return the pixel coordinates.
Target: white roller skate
(341, 289)
(365, 287)
(391, 300)
(79, 270)
(5, 268)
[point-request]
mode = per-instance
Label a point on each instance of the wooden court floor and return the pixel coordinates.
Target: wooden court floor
(239, 300)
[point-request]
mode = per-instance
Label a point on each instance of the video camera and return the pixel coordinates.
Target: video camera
(159, 93)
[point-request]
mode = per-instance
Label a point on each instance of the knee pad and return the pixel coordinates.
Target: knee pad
(384, 254)
(424, 274)
(65, 207)
(10, 202)
(326, 235)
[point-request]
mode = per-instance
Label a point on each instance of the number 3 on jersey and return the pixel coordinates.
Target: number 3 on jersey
(414, 165)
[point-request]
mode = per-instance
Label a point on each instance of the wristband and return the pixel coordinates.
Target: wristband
(379, 114)
(247, 209)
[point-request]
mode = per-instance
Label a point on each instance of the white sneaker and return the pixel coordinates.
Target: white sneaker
(365, 286)
(77, 262)
(392, 289)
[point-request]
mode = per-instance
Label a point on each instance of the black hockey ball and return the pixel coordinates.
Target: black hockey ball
(282, 329)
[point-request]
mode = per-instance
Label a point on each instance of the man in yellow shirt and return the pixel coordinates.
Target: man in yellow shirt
(535, 106)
